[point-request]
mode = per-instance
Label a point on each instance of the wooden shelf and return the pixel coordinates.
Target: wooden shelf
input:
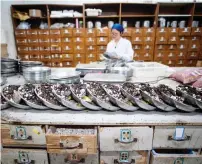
(130, 16)
(174, 15)
(103, 16)
(64, 17)
(198, 15)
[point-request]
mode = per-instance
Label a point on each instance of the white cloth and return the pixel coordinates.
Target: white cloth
(123, 49)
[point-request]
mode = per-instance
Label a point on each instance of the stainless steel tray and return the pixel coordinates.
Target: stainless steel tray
(121, 104)
(48, 104)
(84, 103)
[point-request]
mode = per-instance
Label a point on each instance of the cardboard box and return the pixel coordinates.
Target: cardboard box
(4, 51)
(35, 13)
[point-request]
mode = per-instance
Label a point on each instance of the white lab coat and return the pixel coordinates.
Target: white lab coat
(123, 49)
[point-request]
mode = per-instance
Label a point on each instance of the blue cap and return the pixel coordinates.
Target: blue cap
(118, 27)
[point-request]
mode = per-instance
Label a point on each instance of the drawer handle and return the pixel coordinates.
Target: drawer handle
(116, 161)
(16, 162)
(64, 144)
(186, 138)
(15, 138)
(82, 160)
(125, 142)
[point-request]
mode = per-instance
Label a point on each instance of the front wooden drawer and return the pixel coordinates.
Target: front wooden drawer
(55, 48)
(171, 55)
(125, 138)
(78, 40)
(149, 32)
(21, 41)
(44, 41)
(20, 135)
(23, 57)
(90, 41)
(172, 47)
(21, 156)
(148, 47)
(33, 48)
(79, 48)
(170, 63)
(194, 46)
(114, 157)
(173, 31)
(137, 32)
(196, 38)
(162, 32)
(68, 64)
(101, 49)
(69, 138)
(160, 55)
(55, 40)
(191, 63)
(192, 55)
(183, 40)
(137, 55)
(79, 32)
(137, 40)
(80, 57)
(147, 55)
(180, 63)
(46, 57)
(47, 63)
(67, 48)
(90, 33)
(67, 32)
(33, 41)
(173, 40)
(138, 47)
(127, 32)
(102, 40)
(91, 57)
(56, 63)
(32, 33)
(44, 49)
(196, 31)
(182, 47)
(67, 40)
(162, 40)
(102, 32)
(67, 57)
(99, 56)
(56, 56)
(35, 57)
(175, 157)
(20, 33)
(161, 47)
(91, 49)
(185, 31)
(148, 40)
(72, 156)
(164, 137)
(22, 49)
(43, 33)
(181, 54)
(55, 33)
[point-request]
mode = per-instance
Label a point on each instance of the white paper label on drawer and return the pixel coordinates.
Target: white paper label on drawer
(173, 30)
(162, 30)
(137, 39)
(137, 30)
(149, 30)
(159, 55)
(136, 47)
(197, 30)
(181, 46)
(66, 39)
(182, 39)
(180, 62)
(179, 133)
(101, 39)
(193, 46)
(90, 48)
(78, 55)
(90, 39)
(90, 31)
(67, 48)
(181, 54)
(185, 29)
(66, 31)
(78, 47)
(77, 39)
(148, 39)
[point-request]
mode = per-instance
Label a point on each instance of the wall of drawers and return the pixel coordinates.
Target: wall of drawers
(68, 47)
(100, 145)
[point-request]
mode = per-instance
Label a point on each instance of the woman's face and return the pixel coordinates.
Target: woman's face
(116, 34)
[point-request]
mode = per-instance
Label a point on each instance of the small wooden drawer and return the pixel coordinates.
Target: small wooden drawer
(137, 55)
(137, 32)
(102, 40)
(91, 57)
(22, 49)
(171, 55)
(175, 156)
(183, 40)
(47, 63)
(173, 31)
(182, 47)
(56, 63)
(181, 54)
(78, 40)
(162, 32)
(71, 156)
(138, 47)
(102, 32)
(78, 62)
(90, 33)
(67, 32)
(180, 63)
(90, 41)
(99, 56)
(173, 40)
(79, 48)
(194, 46)
(67, 48)
(33, 41)
(69, 138)
(192, 55)
(44, 41)
(127, 37)
(44, 48)
(43, 33)
(56, 56)
(195, 38)
(20, 135)
(160, 55)
(23, 56)
(137, 40)
(78, 32)
(101, 49)
(164, 137)
(127, 32)
(67, 57)
(125, 138)
(170, 62)
(67, 40)
(148, 40)
(172, 47)
(35, 57)
(148, 47)
(136, 157)
(34, 48)
(91, 48)
(56, 48)
(185, 31)
(162, 40)
(68, 64)
(21, 41)
(147, 55)
(161, 47)
(191, 63)
(46, 57)
(55, 33)
(80, 57)
(55, 40)
(149, 32)
(196, 31)
(11, 156)
(20, 33)
(32, 33)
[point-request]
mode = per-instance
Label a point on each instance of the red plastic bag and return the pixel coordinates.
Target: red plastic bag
(198, 83)
(188, 75)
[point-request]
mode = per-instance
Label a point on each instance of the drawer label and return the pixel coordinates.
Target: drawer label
(179, 161)
(179, 133)
(125, 135)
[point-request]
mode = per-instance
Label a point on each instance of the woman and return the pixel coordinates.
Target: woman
(118, 47)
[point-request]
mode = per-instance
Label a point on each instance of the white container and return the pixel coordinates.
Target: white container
(148, 69)
(93, 12)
